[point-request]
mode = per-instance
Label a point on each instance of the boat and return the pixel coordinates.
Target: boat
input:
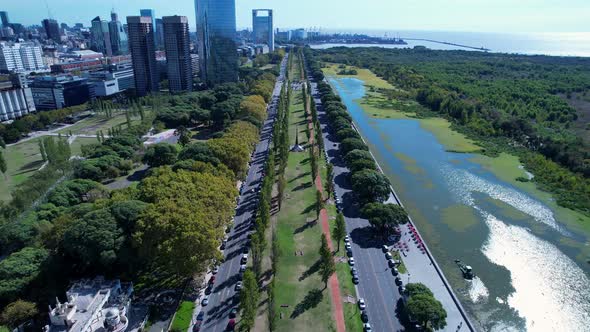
(466, 270)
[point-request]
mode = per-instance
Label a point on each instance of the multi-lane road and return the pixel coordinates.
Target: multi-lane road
(376, 281)
(221, 299)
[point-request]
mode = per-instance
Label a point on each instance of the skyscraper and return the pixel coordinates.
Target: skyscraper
(4, 19)
(262, 28)
(159, 33)
(216, 32)
(143, 54)
(101, 37)
(119, 41)
(21, 57)
(52, 29)
(151, 14)
(178, 58)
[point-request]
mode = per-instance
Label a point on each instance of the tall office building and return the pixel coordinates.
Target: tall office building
(119, 41)
(101, 37)
(178, 58)
(152, 15)
(143, 54)
(216, 34)
(262, 28)
(52, 29)
(4, 19)
(159, 33)
(21, 57)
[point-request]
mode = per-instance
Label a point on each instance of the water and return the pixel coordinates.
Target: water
(527, 278)
(562, 44)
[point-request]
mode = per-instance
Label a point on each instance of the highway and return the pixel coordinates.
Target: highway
(221, 300)
(377, 283)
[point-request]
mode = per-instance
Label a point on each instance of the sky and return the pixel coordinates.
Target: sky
(503, 16)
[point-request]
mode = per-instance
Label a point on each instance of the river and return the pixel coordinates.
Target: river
(531, 274)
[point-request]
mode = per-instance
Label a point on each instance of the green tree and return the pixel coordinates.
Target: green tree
(18, 312)
(184, 135)
(384, 216)
(160, 154)
(327, 265)
(418, 288)
(339, 229)
(427, 310)
(249, 297)
(19, 269)
(258, 246)
(370, 186)
(319, 203)
(330, 180)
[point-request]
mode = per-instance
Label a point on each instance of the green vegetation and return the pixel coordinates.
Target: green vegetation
(384, 217)
(459, 217)
(504, 102)
(183, 317)
(424, 308)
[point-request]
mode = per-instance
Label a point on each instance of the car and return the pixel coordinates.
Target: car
(231, 325)
(347, 246)
(242, 268)
(364, 316)
(355, 279)
(253, 190)
(197, 326)
(353, 270)
(391, 263)
(233, 312)
(355, 273)
(347, 238)
(208, 290)
(401, 290)
(205, 301)
(215, 270)
(349, 253)
(338, 201)
(212, 280)
(367, 327)
(223, 243)
(236, 298)
(228, 229)
(398, 281)
(244, 259)
(385, 248)
(351, 261)
(201, 316)
(362, 304)
(245, 249)
(388, 256)
(394, 271)
(238, 286)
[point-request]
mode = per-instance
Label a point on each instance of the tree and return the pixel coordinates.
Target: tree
(339, 229)
(18, 312)
(327, 265)
(249, 297)
(258, 246)
(418, 288)
(184, 135)
(19, 269)
(42, 150)
(362, 164)
(370, 186)
(427, 310)
(282, 185)
(319, 203)
(160, 154)
(355, 155)
(330, 179)
(384, 216)
(350, 144)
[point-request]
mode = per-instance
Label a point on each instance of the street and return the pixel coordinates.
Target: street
(221, 300)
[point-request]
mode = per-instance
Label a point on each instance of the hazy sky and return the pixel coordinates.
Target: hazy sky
(458, 15)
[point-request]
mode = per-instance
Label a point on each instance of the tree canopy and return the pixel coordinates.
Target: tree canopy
(384, 216)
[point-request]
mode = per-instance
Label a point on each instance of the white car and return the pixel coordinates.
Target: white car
(205, 301)
(367, 327)
(362, 304)
(215, 270)
(347, 238)
(388, 256)
(351, 261)
(238, 286)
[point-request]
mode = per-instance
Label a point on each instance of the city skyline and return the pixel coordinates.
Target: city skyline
(445, 15)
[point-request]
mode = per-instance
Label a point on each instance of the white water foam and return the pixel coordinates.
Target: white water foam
(478, 292)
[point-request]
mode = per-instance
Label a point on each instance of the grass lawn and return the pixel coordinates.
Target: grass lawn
(76, 146)
(92, 125)
(301, 301)
(184, 315)
(22, 160)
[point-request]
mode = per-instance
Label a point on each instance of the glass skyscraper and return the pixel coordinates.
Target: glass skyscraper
(216, 34)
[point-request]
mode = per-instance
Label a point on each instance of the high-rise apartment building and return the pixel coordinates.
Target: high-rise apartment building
(52, 29)
(178, 58)
(4, 19)
(262, 28)
(101, 37)
(119, 42)
(216, 34)
(21, 57)
(143, 54)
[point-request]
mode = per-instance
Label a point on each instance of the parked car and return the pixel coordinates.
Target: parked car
(205, 301)
(391, 263)
(200, 316)
(355, 280)
(364, 316)
(212, 280)
(208, 290)
(244, 259)
(388, 256)
(367, 327)
(351, 261)
(385, 248)
(231, 325)
(398, 281)
(223, 243)
(215, 270)
(353, 270)
(394, 271)
(347, 238)
(401, 290)
(238, 286)
(349, 253)
(362, 304)
(197, 326)
(233, 312)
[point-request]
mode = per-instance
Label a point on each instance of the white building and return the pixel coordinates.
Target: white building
(117, 78)
(16, 99)
(21, 57)
(92, 305)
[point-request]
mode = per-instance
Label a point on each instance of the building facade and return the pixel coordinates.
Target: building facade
(4, 20)
(262, 28)
(116, 79)
(16, 98)
(159, 31)
(216, 34)
(101, 36)
(178, 57)
(119, 42)
(21, 57)
(152, 15)
(143, 56)
(52, 29)
(55, 92)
